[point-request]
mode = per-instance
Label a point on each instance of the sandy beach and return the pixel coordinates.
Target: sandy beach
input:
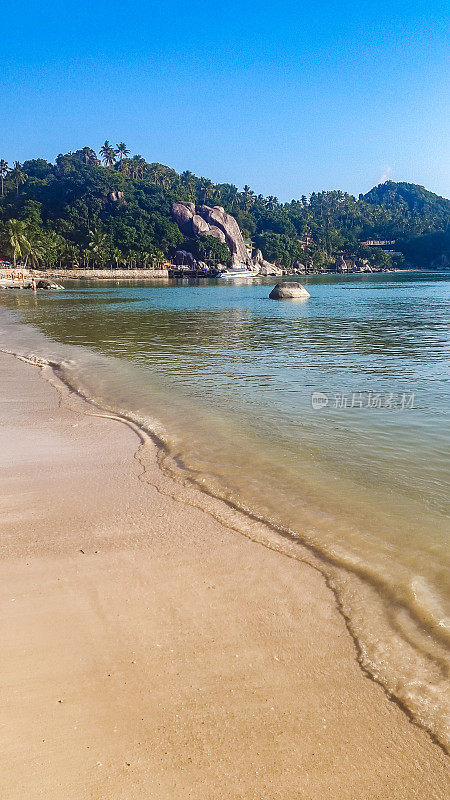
(151, 651)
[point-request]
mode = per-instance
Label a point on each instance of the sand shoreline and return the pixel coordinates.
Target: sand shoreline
(190, 661)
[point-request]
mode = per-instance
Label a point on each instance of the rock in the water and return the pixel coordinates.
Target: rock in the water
(289, 290)
(42, 283)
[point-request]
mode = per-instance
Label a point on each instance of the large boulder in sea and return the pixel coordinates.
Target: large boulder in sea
(289, 290)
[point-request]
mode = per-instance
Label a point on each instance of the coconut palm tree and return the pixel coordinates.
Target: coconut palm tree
(36, 253)
(97, 245)
(138, 166)
(122, 151)
(248, 197)
(3, 172)
(17, 240)
(207, 189)
(18, 175)
(125, 167)
(155, 172)
(108, 154)
(117, 256)
(188, 181)
(89, 155)
(230, 195)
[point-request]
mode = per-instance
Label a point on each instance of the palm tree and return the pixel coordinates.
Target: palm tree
(272, 202)
(153, 172)
(207, 188)
(138, 165)
(117, 257)
(249, 197)
(97, 244)
(17, 240)
(108, 154)
(3, 172)
(188, 181)
(36, 253)
(122, 151)
(89, 155)
(18, 175)
(125, 167)
(230, 194)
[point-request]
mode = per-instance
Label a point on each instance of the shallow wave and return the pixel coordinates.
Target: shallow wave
(399, 630)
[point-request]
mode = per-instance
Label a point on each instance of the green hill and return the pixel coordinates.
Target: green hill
(79, 211)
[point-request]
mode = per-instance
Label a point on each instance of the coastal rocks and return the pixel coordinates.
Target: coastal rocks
(206, 221)
(216, 232)
(199, 225)
(298, 267)
(42, 283)
(289, 290)
(219, 218)
(214, 221)
(183, 215)
(342, 265)
(265, 267)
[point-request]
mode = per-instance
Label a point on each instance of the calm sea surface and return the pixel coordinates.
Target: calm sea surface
(228, 379)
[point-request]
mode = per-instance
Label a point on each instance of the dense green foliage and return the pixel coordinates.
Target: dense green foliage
(80, 212)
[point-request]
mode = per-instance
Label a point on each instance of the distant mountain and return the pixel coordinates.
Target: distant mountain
(412, 202)
(78, 211)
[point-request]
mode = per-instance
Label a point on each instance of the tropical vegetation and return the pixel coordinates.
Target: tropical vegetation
(114, 210)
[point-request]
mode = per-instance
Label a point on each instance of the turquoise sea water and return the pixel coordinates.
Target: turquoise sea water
(230, 379)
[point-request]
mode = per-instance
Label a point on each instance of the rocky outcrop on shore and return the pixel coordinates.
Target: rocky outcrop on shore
(265, 267)
(205, 220)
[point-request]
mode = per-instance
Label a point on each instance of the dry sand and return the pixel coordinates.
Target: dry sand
(149, 651)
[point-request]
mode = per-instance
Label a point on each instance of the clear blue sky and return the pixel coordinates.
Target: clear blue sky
(289, 97)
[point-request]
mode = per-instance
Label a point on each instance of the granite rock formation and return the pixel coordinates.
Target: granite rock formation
(290, 290)
(265, 267)
(206, 221)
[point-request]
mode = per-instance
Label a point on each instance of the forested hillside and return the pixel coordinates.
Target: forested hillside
(115, 210)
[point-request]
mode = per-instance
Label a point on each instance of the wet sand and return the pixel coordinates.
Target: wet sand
(149, 651)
